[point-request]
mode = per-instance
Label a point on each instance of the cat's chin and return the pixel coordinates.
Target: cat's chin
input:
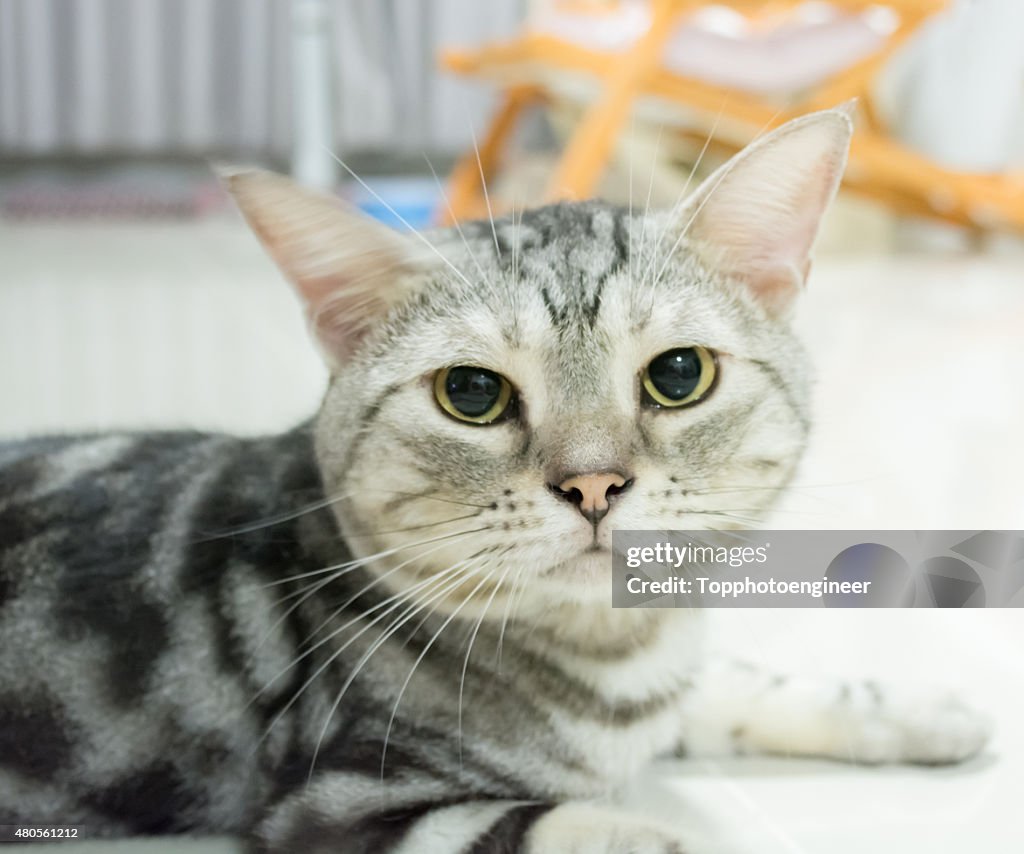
(584, 578)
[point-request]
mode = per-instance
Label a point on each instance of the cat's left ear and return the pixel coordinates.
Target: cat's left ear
(348, 270)
(755, 219)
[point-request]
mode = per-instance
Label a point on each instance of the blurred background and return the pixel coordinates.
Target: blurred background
(132, 295)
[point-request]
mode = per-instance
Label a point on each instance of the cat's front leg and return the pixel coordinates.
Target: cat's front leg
(738, 709)
(586, 828)
(336, 814)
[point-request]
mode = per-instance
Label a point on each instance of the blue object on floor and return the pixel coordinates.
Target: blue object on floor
(412, 198)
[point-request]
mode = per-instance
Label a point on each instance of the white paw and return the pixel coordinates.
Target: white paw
(925, 728)
(589, 829)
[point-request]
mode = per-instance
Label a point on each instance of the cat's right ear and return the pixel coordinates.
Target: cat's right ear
(347, 269)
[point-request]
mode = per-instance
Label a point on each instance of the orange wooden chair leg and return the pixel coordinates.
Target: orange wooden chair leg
(587, 154)
(466, 184)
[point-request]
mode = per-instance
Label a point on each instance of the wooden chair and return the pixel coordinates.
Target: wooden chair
(880, 166)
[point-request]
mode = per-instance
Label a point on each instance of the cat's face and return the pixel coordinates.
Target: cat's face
(573, 330)
(504, 401)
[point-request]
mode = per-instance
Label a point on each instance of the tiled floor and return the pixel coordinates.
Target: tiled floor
(920, 415)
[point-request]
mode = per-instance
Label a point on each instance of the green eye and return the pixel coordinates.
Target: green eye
(680, 377)
(472, 394)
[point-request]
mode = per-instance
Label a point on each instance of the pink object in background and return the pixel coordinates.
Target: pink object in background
(720, 46)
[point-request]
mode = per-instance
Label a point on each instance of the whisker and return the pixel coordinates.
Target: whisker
(632, 154)
(718, 490)
(403, 599)
(469, 651)
(682, 197)
(483, 185)
(700, 156)
(726, 515)
(269, 521)
(427, 616)
(319, 585)
(422, 655)
(460, 572)
(410, 496)
(369, 558)
(650, 190)
(504, 618)
(519, 601)
(314, 585)
(287, 516)
(800, 486)
(725, 174)
(455, 222)
(415, 527)
(772, 510)
(344, 568)
(337, 570)
(399, 217)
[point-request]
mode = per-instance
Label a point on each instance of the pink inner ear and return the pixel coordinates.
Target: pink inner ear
(776, 270)
(808, 210)
(761, 217)
(785, 262)
(796, 214)
(347, 269)
(778, 284)
(338, 325)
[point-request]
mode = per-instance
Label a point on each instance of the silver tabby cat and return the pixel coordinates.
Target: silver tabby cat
(390, 629)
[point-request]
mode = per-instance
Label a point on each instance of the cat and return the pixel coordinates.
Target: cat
(390, 628)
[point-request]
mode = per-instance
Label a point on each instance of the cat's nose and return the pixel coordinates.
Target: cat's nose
(592, 493)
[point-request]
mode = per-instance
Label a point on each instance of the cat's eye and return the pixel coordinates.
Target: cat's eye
(473, 394)
(680, 377)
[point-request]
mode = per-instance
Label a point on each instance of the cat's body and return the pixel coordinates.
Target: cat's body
(154, 679)
(392, 628)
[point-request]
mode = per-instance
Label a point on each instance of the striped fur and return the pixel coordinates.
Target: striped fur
(382, 630)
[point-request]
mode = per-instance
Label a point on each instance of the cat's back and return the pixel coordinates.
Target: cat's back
(94, 530)
(122, 602)
(95, 534)
(77, 507)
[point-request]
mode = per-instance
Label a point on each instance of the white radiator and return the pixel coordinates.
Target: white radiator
(200, 76)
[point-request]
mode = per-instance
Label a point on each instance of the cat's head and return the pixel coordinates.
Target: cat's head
(503, 397)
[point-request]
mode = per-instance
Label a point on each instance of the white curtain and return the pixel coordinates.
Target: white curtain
(200, 76)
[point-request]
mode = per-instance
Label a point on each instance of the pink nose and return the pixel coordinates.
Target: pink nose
(591, 492)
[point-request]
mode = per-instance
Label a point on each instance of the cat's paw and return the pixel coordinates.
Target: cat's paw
(924, 727)
(590, 829)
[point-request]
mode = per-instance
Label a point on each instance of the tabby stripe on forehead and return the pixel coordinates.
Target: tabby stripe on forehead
(557, 314)
(620, 237)
(590, 311)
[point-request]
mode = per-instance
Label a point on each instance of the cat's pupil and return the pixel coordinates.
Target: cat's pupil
(473, 391)
(676, 373)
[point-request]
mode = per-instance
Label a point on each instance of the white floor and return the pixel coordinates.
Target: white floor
(920, 424)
